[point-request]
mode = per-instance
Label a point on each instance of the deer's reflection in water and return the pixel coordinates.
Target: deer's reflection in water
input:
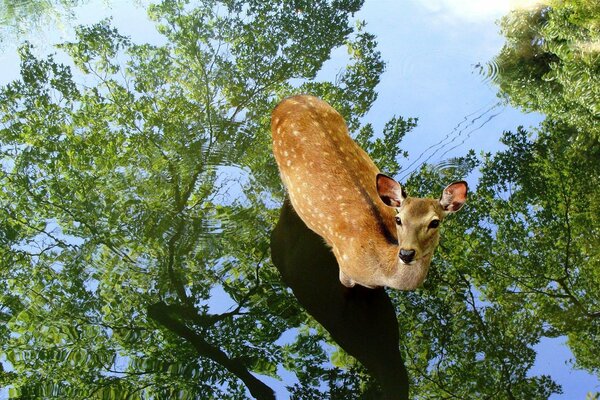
(362, 321)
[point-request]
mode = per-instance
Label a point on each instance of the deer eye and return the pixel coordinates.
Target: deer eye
(398, 221)
(434, 224)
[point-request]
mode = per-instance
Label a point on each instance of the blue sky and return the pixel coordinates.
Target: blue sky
(431, 48)
(431, 52)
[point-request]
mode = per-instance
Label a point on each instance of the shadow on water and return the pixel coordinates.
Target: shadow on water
(362, 321)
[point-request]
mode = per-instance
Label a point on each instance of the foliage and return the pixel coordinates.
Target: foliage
(138, 195)
(122, 219)
(20, 18)
(542, 192)
(550, 64)
(385, 150)
(544, 251)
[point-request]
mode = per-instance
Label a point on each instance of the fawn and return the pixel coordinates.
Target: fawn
(379, 235)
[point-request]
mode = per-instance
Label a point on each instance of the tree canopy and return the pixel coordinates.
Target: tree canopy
(21, 18)
(139, 193)
(550, 63)
(121, 215)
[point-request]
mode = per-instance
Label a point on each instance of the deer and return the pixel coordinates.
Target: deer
(378, 234)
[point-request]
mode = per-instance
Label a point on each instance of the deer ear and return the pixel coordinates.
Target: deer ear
(390, 191)
(454, 196)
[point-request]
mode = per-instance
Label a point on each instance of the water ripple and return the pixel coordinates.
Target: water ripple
(488, 70)
(464, 129)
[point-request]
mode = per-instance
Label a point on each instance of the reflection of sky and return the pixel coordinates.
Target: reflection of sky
(431, 48)
(431, 74)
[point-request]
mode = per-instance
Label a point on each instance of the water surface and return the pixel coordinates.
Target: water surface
(142, 255)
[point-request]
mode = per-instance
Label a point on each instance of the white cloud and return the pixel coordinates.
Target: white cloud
(526, 4)
(475, 10)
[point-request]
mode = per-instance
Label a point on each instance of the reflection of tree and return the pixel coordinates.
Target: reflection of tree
(119, 221)
(546, 250)
(20, 18)
(122, 223)
(537, 206)
(550, 64)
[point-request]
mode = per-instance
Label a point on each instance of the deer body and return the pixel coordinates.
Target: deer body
(379, 236)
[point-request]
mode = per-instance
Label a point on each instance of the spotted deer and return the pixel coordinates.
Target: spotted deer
(379, 235)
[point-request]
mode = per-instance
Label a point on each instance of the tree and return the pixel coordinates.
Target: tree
(542, 193)
(119, 220)
(22, 17)
(545, 251)
(550, 63)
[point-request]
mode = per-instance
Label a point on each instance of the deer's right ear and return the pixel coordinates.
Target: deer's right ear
(390, 191)
(454, 196)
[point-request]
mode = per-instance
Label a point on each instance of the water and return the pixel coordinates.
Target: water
(172, 289)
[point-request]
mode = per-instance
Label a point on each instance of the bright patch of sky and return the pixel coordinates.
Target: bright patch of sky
(439, 69)
(475, 11)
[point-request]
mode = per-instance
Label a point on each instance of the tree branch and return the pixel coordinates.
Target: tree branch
(159, 313)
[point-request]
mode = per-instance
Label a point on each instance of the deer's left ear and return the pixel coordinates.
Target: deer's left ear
(454, 196)
(390, 191)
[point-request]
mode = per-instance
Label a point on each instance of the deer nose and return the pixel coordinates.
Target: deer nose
(407, 255)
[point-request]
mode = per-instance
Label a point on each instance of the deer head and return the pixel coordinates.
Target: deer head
(379, 235)
(418, 222)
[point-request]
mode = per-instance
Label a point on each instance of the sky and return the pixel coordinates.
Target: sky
(431, 48)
